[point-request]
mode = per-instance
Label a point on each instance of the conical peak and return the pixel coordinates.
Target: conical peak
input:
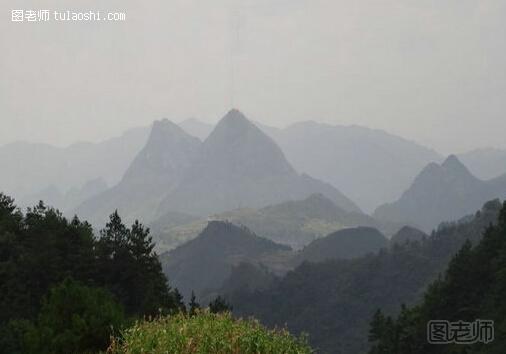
(235, 118)
(234, 126)
(452, 163)
(164, 131)
(451, 160)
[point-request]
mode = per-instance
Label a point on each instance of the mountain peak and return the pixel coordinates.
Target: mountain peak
(235, 120)
(237, 144)
(234, 113)
(168, 151)
(452, 163)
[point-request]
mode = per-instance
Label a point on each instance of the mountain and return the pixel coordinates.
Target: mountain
(69, 200)
(333, 301)
(485, 163)
(239, 166)
(196, 128)
(28, 169)
(408, 234)
(294, 223)
(472, 288)
(203, 263)
(370, 166)
(344, 244)
(441, 192)
(156, 170)
(299, 222)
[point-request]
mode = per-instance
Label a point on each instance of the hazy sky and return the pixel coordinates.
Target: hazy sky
(429, 70)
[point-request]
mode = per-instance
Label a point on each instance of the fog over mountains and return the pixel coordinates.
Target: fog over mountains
(194, 169)
(441, 193)
(240, 166)
(370, 166)
(236, 166)
(485, 163)
(294, 223)
(28, 170)
(220, 246)
(155, 171)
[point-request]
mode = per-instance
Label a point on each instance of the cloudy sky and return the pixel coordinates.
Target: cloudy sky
(429, 70)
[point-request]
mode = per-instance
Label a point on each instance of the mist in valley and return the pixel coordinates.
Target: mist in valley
(337, 169)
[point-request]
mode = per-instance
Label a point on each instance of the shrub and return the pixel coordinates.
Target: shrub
(75, 318)
(205, 333)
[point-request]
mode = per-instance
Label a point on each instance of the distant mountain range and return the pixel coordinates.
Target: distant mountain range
(240, 166)
(440, 193)
(334, 301)
(156, 170)
(69, 200)
(205, 262)
(236, 166)
(485, 163)
(294, 223)
(29, 169)
(370, 166)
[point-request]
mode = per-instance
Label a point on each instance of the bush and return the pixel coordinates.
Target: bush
(75, 318)
(205, 333)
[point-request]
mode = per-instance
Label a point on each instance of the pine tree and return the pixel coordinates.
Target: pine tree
(179, 301)
(219, 305)
(130, 268)
(194, 305)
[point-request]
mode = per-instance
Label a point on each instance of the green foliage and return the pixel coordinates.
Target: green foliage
(194, 306)
(219, 305)
(41, 248)
(294, 223)
(131, 270)
(474, 287)
(334, 301)
(206, 333)
(75, 319)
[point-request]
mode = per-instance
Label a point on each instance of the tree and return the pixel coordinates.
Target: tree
(41, 248)
(179, 302)
(472, 288)
(193, 305)
(37, 251)
(74, 319)
(130, 269)
(219, 305)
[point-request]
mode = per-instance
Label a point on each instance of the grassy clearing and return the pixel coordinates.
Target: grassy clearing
(206, 333)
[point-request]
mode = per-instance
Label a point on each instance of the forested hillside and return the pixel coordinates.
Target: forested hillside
(295, 223)
(473, 287)
(65, 290)
(333, 301)
(203, 263)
